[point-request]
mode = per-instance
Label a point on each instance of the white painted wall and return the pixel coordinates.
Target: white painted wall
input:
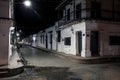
(67, 32)
(53, 38)
(10, 45)
(39, 39)
(47, 32)
(105, 29)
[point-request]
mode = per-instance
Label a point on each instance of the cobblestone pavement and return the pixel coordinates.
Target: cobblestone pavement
(47, 66)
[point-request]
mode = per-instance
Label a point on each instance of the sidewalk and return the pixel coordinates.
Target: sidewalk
(15, 61)
(90, 60)
(14, 67)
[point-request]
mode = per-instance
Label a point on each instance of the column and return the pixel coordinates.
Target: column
(86, 45)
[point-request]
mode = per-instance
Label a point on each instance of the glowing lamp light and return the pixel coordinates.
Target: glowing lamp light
(27, 3)
(34, 38)
(12, 32)
(18, 34)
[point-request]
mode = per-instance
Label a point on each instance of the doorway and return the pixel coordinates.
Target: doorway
(51, 41)
(79, 42)
(94, 43)
(46, 41)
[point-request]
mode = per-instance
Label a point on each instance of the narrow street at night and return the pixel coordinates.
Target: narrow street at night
(43, 65)
(59, 39)
(37, 57)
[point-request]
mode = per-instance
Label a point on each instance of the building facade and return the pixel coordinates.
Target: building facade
(6, 21)
(87, 28)
(47, 38)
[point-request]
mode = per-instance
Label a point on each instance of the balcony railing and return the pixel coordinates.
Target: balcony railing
(97, 15)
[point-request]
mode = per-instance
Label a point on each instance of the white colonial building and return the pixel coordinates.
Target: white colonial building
(86, 28)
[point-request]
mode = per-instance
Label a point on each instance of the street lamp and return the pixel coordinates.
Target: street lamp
(18, 34)
(27, 3)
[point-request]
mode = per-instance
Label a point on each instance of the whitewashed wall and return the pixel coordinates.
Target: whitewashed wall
(104, 28)
(38, 41)
(10, 45)
(67, 32)
(47, 30)
(53, 38)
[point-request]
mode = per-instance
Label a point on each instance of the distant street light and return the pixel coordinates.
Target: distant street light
(27, 3)
(18, 34)
(12, 32)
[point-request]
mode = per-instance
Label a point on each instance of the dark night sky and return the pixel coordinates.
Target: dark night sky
(41, 15)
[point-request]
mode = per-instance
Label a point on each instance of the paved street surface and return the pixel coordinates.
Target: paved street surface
(47, 66)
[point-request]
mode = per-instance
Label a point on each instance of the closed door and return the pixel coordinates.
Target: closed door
(94, 43)
(51, 40)
(46, 41)
(79, 34)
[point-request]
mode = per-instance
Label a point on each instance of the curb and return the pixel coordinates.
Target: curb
(4, 73)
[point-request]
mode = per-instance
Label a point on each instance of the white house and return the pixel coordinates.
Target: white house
(86, 28)
(89, 27)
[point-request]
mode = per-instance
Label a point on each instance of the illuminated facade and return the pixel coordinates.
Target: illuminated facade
(47, 38)
(87, 28)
